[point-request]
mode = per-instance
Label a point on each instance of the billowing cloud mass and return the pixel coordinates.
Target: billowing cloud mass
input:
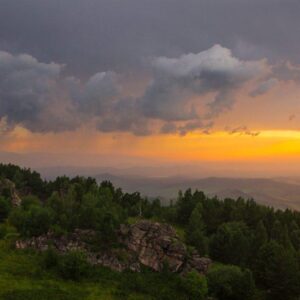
(184, 94)
(97, 95)
(177, 80)
(27, 87)
(36, 95)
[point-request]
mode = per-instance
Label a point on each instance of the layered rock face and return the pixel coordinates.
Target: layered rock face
(6, 184)
(158, 244)
(80, 240)
(154, 245)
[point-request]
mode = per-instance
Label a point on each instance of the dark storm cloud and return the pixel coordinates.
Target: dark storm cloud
(174, 82)
(41, 98)
(169, 41)
(26, 88)
(92, 35)
(97, 95)
(37, 96)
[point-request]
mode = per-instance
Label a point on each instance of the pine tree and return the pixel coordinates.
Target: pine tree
(277, 271)
(195, 232)
(260, 236)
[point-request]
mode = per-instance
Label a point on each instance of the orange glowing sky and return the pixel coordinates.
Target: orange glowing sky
(184, 85)
(280, 148)
(277, 138)
(273, 148)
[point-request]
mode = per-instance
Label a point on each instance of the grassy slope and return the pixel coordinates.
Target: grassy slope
(22, 278)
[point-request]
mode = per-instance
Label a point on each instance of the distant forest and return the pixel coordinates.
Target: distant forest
(255, 249)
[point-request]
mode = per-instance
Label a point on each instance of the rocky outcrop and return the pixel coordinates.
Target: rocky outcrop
(6, 184)
(80, 240)
(153, 245)
(158, 244)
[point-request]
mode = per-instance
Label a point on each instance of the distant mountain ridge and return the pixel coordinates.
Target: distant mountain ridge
(272, 192)
(277, 192)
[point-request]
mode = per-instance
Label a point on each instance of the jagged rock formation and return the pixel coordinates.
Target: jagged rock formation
(145, 243)
(6, 184)
(157, 244)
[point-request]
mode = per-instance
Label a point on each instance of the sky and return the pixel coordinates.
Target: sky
(206, 87)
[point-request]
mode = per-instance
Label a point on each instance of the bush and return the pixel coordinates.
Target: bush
(29, 201)
(74, 266)
(7, 231)
(230, 283)
(5, 207)
(50, 259)
(34, 222)
(3, 231)
(57, 230)
(195, 286)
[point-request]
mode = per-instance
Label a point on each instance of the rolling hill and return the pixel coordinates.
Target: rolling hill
(279, 193)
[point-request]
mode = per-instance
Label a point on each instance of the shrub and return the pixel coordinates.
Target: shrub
(5, 207)
(7, 231)
(3, 231)
(57, 230)
(195, 286)
(34, 222)
(29, 201)
(230, 283)
(74, 266)
(50, 259)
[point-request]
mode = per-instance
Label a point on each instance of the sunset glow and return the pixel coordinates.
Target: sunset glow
(216, 146)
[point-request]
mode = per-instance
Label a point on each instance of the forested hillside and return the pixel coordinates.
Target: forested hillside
(255, 250)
